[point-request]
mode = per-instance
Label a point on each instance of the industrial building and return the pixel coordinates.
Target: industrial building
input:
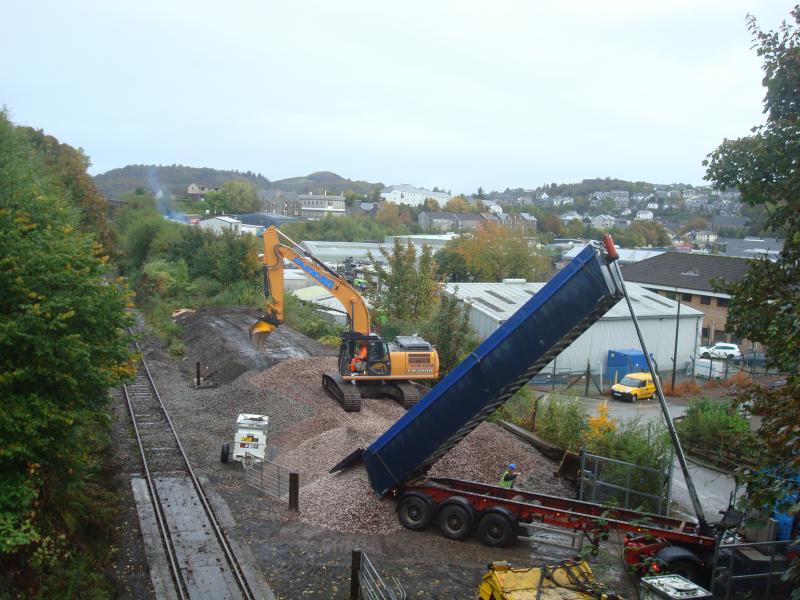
(491, 304)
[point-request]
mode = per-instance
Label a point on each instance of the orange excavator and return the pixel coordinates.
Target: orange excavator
(367, 365)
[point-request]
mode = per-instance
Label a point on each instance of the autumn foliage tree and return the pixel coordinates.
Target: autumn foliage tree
(63, 344)
(491, 253)
(409, 288)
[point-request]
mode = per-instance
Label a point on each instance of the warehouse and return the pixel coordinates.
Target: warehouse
(491, 304)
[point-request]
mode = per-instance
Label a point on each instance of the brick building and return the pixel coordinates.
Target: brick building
(689, 277)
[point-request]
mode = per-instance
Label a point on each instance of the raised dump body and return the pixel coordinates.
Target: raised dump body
(575, 298)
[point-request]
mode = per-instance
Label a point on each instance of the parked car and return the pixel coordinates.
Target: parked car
(720, 350)
(633, 387)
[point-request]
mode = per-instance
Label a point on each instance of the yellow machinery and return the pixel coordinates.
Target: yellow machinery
(367, 364)
(566, 580)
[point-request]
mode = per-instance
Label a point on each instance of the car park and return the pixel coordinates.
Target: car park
(633, 387)
(720, 350)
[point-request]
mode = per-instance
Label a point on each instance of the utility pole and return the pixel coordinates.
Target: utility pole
(675, 350)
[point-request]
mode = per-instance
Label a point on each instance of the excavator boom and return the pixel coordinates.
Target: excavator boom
(275, 252)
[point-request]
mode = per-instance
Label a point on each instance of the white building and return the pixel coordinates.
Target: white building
(220, 224)
(413, 196)
(491, 304)
(644, 215)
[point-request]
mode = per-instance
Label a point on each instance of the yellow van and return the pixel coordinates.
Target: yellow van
(633, 387)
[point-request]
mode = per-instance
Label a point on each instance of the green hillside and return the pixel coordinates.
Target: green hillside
(174, 179)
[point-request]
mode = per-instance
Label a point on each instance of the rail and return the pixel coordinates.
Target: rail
(230, 556)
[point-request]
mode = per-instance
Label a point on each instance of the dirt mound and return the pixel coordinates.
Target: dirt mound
(219, 339)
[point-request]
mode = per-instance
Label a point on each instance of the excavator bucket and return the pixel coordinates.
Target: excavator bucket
(259, 331)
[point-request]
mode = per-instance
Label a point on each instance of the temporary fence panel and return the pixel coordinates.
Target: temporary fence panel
(757, 568)
(268, 477)
(632, 486)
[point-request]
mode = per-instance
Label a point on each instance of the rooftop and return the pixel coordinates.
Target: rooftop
(685, 270)
(501, 300)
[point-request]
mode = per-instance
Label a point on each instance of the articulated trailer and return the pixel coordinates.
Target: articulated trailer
(397, 462)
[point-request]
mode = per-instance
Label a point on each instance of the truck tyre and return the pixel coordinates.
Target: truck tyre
(496, 529)
(414, 512)
(225, 454)
(454, 522)
(684, 568)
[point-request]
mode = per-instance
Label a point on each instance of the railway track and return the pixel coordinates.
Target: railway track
(200, 559)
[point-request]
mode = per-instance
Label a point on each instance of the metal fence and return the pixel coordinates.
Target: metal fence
(367, 584)
(269, 478)
(750, 570)
(631, 486)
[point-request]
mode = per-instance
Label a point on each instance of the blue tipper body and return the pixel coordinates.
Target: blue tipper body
(576, 297)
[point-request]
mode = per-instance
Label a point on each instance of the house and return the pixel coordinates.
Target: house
(688, 277)
(436, 221)
(413, 196)
(603, 222)
(570, 216)
(644, 215)
(621, 223)
(364, 208)
(523, 222)
(199, 192)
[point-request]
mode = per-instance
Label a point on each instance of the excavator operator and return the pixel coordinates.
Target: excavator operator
(359, 360)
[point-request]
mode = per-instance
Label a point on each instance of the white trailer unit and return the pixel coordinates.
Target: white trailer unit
(250, 438)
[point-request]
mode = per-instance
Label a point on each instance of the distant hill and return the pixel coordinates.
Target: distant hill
(174, 179)
(322, 181)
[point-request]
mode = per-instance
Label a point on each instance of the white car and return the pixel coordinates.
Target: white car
(720, 350)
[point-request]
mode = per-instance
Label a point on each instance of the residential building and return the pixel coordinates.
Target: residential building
(570, 216)
(644, 215)
(603, 222)
(413, 196)
(307, 206)
(690, 276)
(199, 192)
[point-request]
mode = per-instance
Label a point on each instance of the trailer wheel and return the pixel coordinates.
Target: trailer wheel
(495, 529)
(415, 512)
(454, 522)
(225, 454)
(684, 568)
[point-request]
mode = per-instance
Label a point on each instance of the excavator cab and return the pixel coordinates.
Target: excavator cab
(364, 356)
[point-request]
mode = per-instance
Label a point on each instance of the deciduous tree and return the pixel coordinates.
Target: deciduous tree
(765, 303)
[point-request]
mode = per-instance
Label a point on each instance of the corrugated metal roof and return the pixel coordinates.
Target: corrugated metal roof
(501, 300)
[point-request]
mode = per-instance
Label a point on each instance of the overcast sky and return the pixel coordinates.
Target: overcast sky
(455, 94)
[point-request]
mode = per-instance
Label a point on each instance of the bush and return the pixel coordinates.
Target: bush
(716, 424)
(562, 422)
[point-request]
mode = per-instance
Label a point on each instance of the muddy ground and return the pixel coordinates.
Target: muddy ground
(300, 557)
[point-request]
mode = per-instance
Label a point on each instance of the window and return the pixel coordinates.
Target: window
(722, 302)
(705, 300)
(686, 297)
(704, 334)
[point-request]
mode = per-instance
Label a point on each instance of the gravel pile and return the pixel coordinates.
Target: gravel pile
(345, 501)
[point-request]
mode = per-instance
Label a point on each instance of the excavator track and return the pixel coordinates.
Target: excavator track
(409, 394)
(344, 392)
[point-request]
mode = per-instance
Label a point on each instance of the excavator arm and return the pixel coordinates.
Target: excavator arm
(275, 251)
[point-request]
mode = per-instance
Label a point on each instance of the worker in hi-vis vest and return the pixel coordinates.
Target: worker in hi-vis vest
(509, 476)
